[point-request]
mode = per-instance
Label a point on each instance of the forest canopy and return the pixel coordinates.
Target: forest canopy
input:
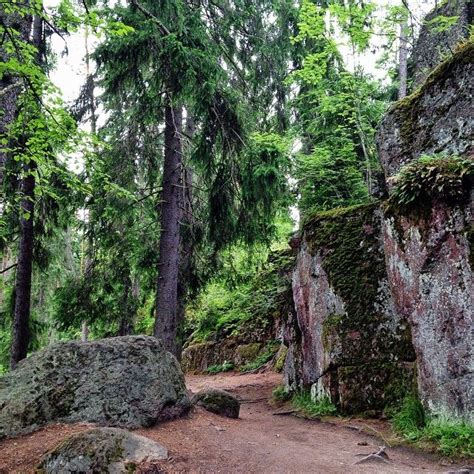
(203, 133)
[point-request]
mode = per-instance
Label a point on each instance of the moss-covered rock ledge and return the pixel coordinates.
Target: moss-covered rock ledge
(436, 118)
(346, 341)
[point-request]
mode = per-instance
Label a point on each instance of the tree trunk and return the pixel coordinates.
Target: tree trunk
(186, 229)
(21, 317)
(21, 320)
(168, 263)
(10, 86)
(403, 62)
(128, 308)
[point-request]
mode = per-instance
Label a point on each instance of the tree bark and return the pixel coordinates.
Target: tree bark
(10, 85)
(168, 263)
(128, 308)
(186, 229)
(21, 317)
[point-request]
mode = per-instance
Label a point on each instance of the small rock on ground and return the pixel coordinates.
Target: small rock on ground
(217, 401)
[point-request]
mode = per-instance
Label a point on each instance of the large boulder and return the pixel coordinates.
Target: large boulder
(126, 381)
(217, 401)
(105, 450)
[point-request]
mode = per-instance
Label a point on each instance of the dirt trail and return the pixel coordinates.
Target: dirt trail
(258, 442)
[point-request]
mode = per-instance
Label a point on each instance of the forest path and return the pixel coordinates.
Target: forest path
(258, 442)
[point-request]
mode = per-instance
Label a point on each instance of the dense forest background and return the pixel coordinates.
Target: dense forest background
(203, 134)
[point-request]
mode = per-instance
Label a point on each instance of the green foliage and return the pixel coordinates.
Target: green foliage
(252, 301)
(410, 418)
(448, 179)
(260, 360)
(452, 437)
(215, 369)
(338, 110)
(280, 394)
(442, 23)
(304, 403)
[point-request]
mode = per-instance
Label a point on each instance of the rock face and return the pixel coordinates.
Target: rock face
(437, 118)
(197, 358)
(432, 45)
(126, 381)
(346, 340)
(432, 286)
(428, 253)
(384, 296)
(217, 401)
(105, 450)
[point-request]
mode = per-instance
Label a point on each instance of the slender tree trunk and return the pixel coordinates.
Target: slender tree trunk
(168, 263)
(21, 317)
(89, 259)
(403, 62)
(128, 308)
(187, 228)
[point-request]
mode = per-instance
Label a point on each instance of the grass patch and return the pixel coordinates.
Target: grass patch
(451, 437)
(259, 361)
(215, 369)
(280, 394)
(312, 409)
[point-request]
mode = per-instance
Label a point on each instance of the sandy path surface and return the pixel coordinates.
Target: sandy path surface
(258, 442)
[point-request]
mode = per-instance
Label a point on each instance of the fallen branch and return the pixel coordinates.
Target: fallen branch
(283, 413)
(379, 456)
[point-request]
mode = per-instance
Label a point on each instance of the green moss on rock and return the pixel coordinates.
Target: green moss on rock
(408, 108)
(352, 256)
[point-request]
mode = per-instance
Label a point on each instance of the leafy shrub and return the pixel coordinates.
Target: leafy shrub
(446, 178)
(215, 369)
(309, 408)
(222, 309)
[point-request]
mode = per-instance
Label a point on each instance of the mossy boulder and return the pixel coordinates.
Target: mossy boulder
(217, 401)
(104, 450)
(126, 381)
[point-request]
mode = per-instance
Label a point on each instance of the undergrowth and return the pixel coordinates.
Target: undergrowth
(254, 303)
(304, 403)
(259, 361)
(451, 437)
(280, 394)
(215, 369)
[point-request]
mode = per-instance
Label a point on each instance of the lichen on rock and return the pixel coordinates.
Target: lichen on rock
(217, 401)
(128, 381)
(104, 450)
